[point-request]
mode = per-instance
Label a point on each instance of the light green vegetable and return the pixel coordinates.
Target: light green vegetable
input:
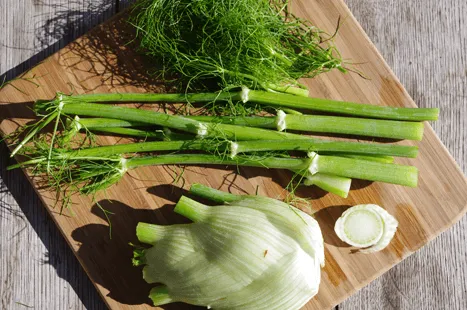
(326, 124)
(366, 226)
(251, 252)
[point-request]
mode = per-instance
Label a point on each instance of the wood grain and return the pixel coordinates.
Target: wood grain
(336, 266)
(424, 43)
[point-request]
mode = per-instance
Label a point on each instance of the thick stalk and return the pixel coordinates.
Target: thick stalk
(160, 295)
(328, 124)
(151, 233)
(223, 131)
(189, 208)
(340, 166)
(377, 158)
(294, 164)
(365, 170)
(341, 107)
(270, 99)
(330, 183)
(119, 127)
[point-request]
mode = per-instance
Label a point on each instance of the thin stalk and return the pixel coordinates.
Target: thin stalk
(340, 166)
(213, 194)
(37, 127)
(153, 97)
(133, 132)
(327, 124)
(93, 123)
(329, 146)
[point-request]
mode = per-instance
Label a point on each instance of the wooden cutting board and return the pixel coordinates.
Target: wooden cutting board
(102, 61)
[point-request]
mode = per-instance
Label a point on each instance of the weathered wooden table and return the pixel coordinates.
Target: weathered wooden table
(423, 41)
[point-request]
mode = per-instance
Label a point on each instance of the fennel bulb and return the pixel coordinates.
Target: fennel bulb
(250, 253)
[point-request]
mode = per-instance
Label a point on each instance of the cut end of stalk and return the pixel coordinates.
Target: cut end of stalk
(280, 121)
(189, 208)
(150, 233)
(160, 295)
(330, 183)
(245, 94)
(233, 149)
(202, 130)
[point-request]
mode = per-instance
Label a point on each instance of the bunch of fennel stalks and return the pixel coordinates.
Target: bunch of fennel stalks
(221, 140)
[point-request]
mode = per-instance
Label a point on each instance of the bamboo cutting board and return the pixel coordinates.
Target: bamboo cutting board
(102, 62)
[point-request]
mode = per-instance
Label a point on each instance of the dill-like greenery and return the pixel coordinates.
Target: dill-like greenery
(254, 43)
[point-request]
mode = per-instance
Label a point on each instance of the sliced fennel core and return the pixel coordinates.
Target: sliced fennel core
(251, 252)
(366, 226)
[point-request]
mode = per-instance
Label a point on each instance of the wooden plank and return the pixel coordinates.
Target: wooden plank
(464, 290)
(37, 267)
(424, 43)
(35, 29)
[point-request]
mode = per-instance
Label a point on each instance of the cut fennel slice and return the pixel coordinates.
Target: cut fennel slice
(366, 226)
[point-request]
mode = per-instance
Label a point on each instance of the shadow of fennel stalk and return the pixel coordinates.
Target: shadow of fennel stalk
(258, 44)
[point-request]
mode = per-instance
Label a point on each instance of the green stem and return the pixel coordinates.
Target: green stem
(132, 132)
(224, 131)
(365, 170)
(203, 159)
(189, 208)
(153, 97)
(340, 166)
(330, 183)
(377, 158)
(213, 194)
(93, 123)
(270, 99)
(119, 127)
(160, 295)
(150, 233)
(328, 124)
(132, 115)
(37, 127)
(141, 147)
(342, 107)
(330, 146)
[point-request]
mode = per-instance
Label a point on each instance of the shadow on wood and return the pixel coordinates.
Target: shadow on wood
(107, 253)
(58, 253)
(55, 25)
(327, 218)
